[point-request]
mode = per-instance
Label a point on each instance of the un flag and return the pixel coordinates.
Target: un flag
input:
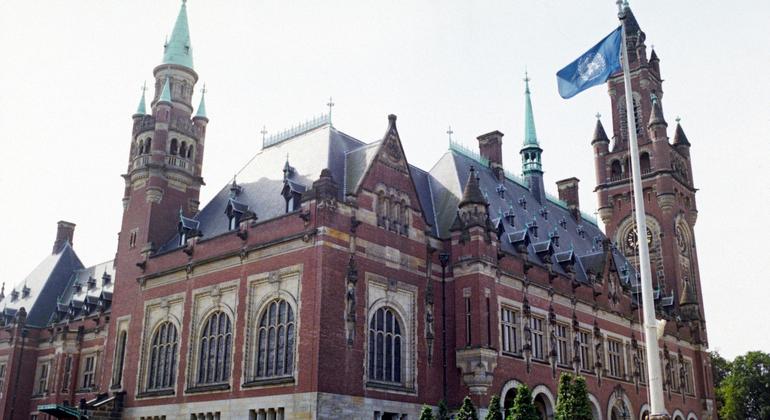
(592, 68)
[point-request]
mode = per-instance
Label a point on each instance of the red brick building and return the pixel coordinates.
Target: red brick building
(343, 282)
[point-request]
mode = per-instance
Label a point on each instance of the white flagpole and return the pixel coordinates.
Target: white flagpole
(655, 382)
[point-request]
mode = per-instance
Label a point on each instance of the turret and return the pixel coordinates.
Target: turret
(657, 124)
(681, 143)
(531, 153)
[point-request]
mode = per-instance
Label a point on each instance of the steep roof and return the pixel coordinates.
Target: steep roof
(38, 292)
(178, 49)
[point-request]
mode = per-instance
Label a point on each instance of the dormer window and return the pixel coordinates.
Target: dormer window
(187, 228)
(510, 216)
(292, 193)
(14, 296)
(563, 223)
(523, 203)
(106, 279)
(544, 212)
(91, 283)
(532, 226)
(501, 190)
(77, 286)
(25, 292)
(235, 211)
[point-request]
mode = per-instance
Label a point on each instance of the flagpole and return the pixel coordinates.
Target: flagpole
(655, 377)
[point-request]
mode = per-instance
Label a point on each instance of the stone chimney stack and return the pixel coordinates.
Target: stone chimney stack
(568, 192)
(491, 148)
(65, 232)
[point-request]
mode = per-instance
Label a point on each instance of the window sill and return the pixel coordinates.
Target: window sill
(85, 390)
(388, 386)
(207, 388)
(282, 380)
(510, 354)
(156, 393)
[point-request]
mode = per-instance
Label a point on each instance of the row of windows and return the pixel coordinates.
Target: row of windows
(86, 379)
(513, 342)
(176, 148)
(392, 212)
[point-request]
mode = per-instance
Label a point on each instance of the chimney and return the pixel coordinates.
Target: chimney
(568, 192)
(65, 232)
(491, 148)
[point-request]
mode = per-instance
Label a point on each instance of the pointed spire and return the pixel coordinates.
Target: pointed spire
(680, 139)
(530, 135)
(165, 94)
(656, 116)
(653, 55)
(472, 193)
(142, 108)
(201, 113)
(178, 49)
(599, 133)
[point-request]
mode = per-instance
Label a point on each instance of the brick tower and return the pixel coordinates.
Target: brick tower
(162, 182)
(669, 194)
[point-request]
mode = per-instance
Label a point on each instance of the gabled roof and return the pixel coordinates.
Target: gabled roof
(45, 283)
(102, 277)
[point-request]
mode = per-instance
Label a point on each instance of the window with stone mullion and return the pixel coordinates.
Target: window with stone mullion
(215, 349)
(275, 341)
(163, 357)
(385, 342)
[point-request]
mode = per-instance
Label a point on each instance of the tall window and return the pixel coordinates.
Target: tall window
(173, 147)
(641, 356)
(562, 345)
(687, 385)
(615, 353)
(117, 374)
(67, 375)
(2, 375)
(385, 343)
(674, 367)
(584, 338)
(214, 352)
(275, 341)
(163, 350)
(509, 324)
(536, 324)
(468, 321)
(42, 378)
(89, 368)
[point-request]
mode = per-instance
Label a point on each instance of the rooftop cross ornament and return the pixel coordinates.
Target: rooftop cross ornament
(144, 87)
(264, 132)
(330, 104)
(678, 118)
(598, 116)
(203, 89)
(449, 133)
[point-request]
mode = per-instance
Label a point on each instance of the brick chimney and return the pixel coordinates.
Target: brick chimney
(568, 192)
(491, 148)
(65, 232)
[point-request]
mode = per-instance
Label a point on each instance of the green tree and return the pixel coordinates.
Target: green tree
(720, 368)
(745, 390)
(523, 408)
(572, 401)
(494, 412)
(443, 411)
(467, 411)
(426, 413)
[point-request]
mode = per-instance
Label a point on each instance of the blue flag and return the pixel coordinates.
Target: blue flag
(592, 68)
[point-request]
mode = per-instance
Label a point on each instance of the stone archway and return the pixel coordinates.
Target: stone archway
(508, 394)
(619, 407)
(596, 410)
(544, 401)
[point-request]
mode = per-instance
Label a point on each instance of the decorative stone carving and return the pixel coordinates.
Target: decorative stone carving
(477, 366)
(350, 301)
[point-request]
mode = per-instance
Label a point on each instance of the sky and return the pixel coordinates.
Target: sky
(72, 70)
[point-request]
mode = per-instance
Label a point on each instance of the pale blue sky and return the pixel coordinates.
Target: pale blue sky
(71, 73)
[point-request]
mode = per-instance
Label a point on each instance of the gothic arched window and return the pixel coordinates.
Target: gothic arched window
(644, 161)
(615, 170)
(385, 346)
(183, 150)
(275, 341)
(190, 152)
(216, 343)
(162, 362)
(173, 148)
(147, 145)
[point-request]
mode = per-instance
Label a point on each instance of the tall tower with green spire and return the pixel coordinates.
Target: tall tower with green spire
(531, 153)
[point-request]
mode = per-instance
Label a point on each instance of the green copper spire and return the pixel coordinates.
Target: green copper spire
(165, 94)
(201, 113)
(178, 49)
(530, 135)
(530, 151)
(142, 109)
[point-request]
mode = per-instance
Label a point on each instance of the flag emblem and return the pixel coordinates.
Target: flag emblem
(591, 66)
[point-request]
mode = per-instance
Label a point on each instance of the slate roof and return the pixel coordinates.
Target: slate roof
(439, 191)
(87, 289)
(43, 285)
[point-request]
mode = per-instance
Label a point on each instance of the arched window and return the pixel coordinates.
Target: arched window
(644, 161)
(385, 346)
(216, 343)
(117, 374)
(183, 150)
(275, 341)
(147, 145)
(190, 152)
(173, 148)
(615, 170)
(162, 363)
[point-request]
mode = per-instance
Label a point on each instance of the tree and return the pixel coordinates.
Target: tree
(745, 390)
(572, 401)
(494, 412)
(443, 411)
(426, 413)
(467, 411)
(720, 368)
(523, 408)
